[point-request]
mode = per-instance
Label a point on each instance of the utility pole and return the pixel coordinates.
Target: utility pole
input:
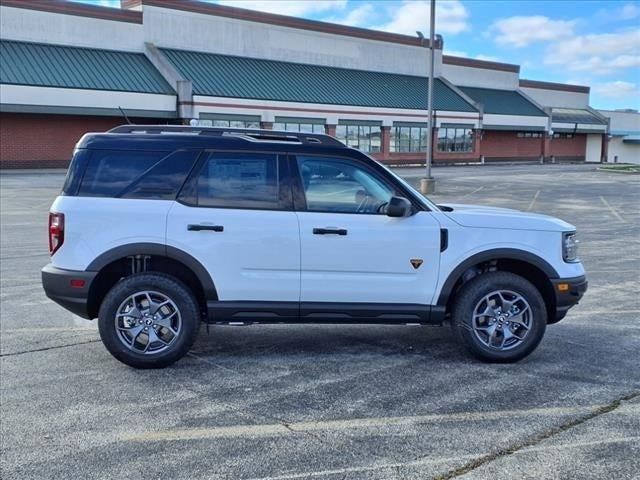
(428, 184)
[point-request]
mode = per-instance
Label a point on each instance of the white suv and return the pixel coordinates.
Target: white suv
(160, 228)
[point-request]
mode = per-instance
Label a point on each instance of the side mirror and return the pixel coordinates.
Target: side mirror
(399, 207)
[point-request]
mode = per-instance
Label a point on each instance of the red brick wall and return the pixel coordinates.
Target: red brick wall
(41, 141)
(573, 148)
(497, 144)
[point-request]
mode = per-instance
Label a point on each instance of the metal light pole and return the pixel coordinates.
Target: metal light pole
(428, 184)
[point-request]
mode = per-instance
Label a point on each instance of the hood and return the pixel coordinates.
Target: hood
(478, 216)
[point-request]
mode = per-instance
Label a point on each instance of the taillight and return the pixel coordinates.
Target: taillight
(56, 231)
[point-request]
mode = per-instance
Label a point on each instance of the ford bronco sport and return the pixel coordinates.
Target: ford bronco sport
(160, 228)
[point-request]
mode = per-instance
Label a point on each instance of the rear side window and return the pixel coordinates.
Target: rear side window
(238, 180)
(134, 174)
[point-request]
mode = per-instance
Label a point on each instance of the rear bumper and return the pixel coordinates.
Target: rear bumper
(58, 287)
(568, 296)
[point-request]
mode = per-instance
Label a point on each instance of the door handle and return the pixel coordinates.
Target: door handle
(198, 228)
(329, 231)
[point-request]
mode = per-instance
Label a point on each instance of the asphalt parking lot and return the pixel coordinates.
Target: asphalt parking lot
(335, 402)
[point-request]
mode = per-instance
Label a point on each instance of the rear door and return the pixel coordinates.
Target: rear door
(352, 252)
(235, 216)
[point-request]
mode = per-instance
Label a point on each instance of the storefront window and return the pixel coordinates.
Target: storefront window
(365, 138)
(229, 122)
(236, 123)
(299, 127)
(455, 140)
(409, 139)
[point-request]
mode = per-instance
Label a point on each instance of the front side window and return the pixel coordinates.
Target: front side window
(238, 180)
(365, 138)
(455, 140)
(342, 186)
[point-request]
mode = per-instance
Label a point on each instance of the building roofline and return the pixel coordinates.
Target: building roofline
(78, 9)
(564, 87)
(280, 20)
(473, 63)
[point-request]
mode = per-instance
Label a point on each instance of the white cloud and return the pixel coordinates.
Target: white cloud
(520, 31)
(409, 16)
(618, 89)
(488, 58)
(597, 53)
(455, 53)
(288, 7)
(357, 17)
(629, 11)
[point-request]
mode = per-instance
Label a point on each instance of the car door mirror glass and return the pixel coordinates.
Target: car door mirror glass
(399, 207)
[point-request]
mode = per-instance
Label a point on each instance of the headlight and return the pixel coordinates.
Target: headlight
(570, 247)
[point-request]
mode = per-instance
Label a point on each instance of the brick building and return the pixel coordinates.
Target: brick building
(69, 68)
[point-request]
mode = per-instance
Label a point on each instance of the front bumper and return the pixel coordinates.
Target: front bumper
(568, 292)
(58, 286)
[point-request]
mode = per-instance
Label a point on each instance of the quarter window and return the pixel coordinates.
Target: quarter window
(365, 138)
(342, 186)
(455, 140)
(230, 180)
(110, 172)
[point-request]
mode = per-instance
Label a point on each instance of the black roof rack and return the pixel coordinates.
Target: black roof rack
(248, 134)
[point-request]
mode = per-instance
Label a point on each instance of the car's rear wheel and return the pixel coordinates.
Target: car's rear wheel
(499, 317)
(149, 320)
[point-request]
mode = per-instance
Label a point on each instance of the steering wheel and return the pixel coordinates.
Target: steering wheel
(381, 207)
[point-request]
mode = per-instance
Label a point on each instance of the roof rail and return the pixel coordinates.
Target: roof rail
(249, 134)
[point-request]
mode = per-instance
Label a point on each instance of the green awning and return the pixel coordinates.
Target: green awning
(503, 102)
(46, 65)
(241, 77)
(575, 115)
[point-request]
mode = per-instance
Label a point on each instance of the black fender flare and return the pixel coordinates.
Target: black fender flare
(494, 254)
(158, 249)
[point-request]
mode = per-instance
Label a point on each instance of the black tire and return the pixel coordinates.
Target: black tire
(473, 292)
(166, 285)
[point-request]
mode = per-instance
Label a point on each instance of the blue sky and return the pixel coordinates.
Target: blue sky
(595, 43)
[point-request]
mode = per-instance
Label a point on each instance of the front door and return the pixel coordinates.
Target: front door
(351, 250)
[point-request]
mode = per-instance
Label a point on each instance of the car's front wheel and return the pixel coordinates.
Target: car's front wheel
(149, 320)
(499, 316)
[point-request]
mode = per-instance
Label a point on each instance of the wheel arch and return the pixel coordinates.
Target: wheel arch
(115, 264)
(526, 264)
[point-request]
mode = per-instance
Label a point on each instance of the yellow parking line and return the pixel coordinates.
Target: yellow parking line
(613, 210)
(535, 197)
(278, 429)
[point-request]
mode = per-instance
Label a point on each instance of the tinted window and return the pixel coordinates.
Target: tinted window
(342, 186)
(238, 180)
(75, 171)
(110, 172)
(129, 174)
(164, 179)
